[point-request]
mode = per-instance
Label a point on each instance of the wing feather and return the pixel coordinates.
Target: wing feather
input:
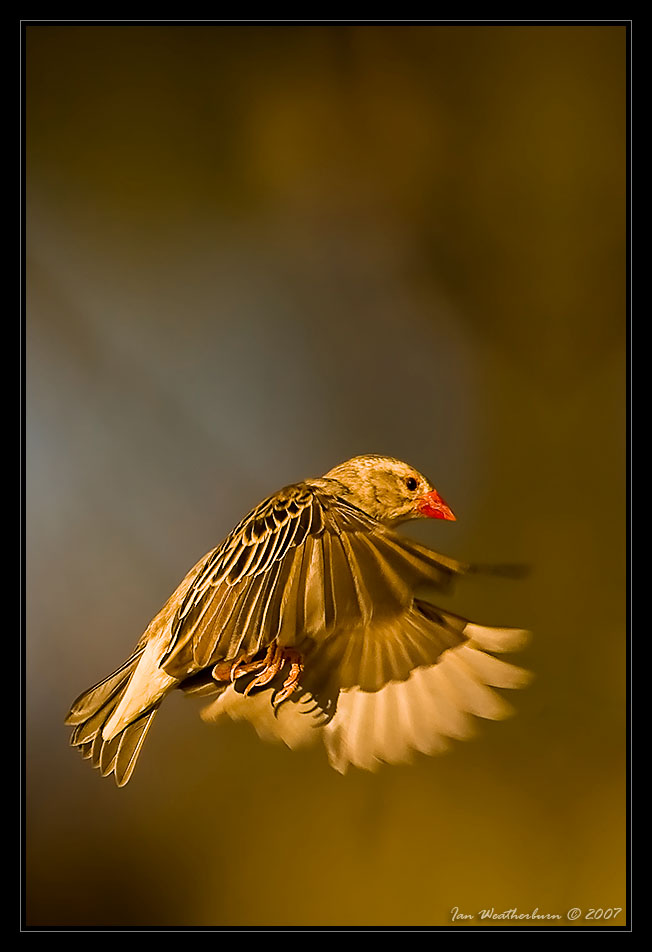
(303, 566)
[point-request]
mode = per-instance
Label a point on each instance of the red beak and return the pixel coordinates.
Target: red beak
(433, 507)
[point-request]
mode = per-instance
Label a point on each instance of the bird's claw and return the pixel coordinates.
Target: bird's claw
(291, 683)
(232, 670)
(246, 667)
(269, 666)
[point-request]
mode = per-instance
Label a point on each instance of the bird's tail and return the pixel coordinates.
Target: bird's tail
(90, 712)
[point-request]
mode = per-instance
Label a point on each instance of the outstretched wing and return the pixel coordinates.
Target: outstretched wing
(401, 686)
(302, 565)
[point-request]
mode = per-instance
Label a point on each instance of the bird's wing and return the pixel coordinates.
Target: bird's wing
(404, 685)
(387, 723)
(302, 565)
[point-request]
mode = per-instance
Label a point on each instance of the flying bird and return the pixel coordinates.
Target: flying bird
(309, 620)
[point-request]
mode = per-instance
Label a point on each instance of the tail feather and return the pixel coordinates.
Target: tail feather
(90, 712)
(119, 755)
(104, 691)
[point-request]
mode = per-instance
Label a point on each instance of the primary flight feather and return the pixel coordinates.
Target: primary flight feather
(306, 622)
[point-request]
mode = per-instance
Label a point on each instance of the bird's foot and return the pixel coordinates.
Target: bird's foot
(246, 667)
(269, 666)
(231, 670)
(272, 664)
(291, 683)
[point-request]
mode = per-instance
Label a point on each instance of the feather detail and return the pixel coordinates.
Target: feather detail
(119, 754)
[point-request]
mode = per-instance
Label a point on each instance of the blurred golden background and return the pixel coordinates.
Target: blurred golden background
(253, 252)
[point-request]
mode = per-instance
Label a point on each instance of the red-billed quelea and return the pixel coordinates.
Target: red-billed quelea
(306, 622)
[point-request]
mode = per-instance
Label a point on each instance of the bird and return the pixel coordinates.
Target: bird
(312, 620)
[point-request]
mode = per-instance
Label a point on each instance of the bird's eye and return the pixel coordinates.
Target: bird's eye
(411, 483)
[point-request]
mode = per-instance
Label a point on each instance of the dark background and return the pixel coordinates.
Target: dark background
(253, 252)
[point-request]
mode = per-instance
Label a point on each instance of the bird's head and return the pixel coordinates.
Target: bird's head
(389, 490)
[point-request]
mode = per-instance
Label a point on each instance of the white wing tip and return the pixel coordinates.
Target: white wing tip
(497, 639)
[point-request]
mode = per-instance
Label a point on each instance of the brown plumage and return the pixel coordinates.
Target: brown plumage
(306, 622)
